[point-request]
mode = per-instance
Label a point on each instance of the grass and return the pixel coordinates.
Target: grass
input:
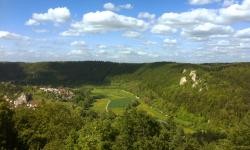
(151, 111)
(119, 99)
(116, 100)
(120, 103)
(100, 105)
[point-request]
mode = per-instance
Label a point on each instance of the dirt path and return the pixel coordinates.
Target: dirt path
(107, 105)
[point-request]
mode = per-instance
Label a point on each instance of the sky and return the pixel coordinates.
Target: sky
(193, 31)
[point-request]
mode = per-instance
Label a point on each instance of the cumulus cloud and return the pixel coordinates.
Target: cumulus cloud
(244, 33)
(135, 53)
(79, 48)
(131, 34)
(169, 41)
(78, 43)
(207, 30)
(162, 29)
(125, 53)
(112, 7)
(76, 52)
(101, 46)
(202, 23)
(188, 18)
(103, 21)
(227, 3)
(223, 43)
(236, 12)
(56, 15)
(109, 6)
(12, 36)
(71, 32)
(146, 15)
(202, 2)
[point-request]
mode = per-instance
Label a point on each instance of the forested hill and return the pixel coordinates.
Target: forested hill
(219, 91)
(175, 105)
(101, 72)
(64, 73)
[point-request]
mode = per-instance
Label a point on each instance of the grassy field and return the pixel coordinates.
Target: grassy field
(152, 111)
(115, 100)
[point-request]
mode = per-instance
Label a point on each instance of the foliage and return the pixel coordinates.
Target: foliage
(173, 116)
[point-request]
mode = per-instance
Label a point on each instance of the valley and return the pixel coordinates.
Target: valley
(202, 106)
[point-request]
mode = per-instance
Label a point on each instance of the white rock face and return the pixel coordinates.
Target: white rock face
(183, 80)
(21, 100)
(194, 84)
(184, 71)
(193, 75)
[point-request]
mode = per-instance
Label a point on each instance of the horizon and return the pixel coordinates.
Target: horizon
(190, 31)
(73, 61)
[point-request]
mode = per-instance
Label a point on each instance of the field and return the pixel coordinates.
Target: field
(115, 100)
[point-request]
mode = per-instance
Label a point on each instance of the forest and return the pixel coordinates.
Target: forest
(105, 105)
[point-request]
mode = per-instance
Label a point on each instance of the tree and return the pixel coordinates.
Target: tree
(7, 131)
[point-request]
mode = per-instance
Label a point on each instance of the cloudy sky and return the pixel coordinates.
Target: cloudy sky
(194, 31)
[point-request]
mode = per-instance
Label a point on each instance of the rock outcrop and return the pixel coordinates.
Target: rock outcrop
(22, 99)
(193, 79)
(183, 80)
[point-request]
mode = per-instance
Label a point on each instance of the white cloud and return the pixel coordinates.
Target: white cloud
(227, 3)
(244, 33)
(223, 43)
(101, 46)
(236, 12)
(202, 2)
(78, 43)
(112, 7)
(132, 52)
(12, 36)
(76, 52)
(103, 21)
(109, 6)
(102, 52)
(244, 45)
(170, 41)
(131, 34)
(32, 22)
(228, 15)
(207, 30)
(146, 15)
(188, 18)
(79, 48)
(71, 32)
(162, 29)
(56, 15)
(192, 23)
(126, 6)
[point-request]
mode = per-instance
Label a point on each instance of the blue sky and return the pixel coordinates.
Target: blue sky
(193, 31)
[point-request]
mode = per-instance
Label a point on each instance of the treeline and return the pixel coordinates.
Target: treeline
(64, 73)
(220, 101)
(61, 125)
(219, 113)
